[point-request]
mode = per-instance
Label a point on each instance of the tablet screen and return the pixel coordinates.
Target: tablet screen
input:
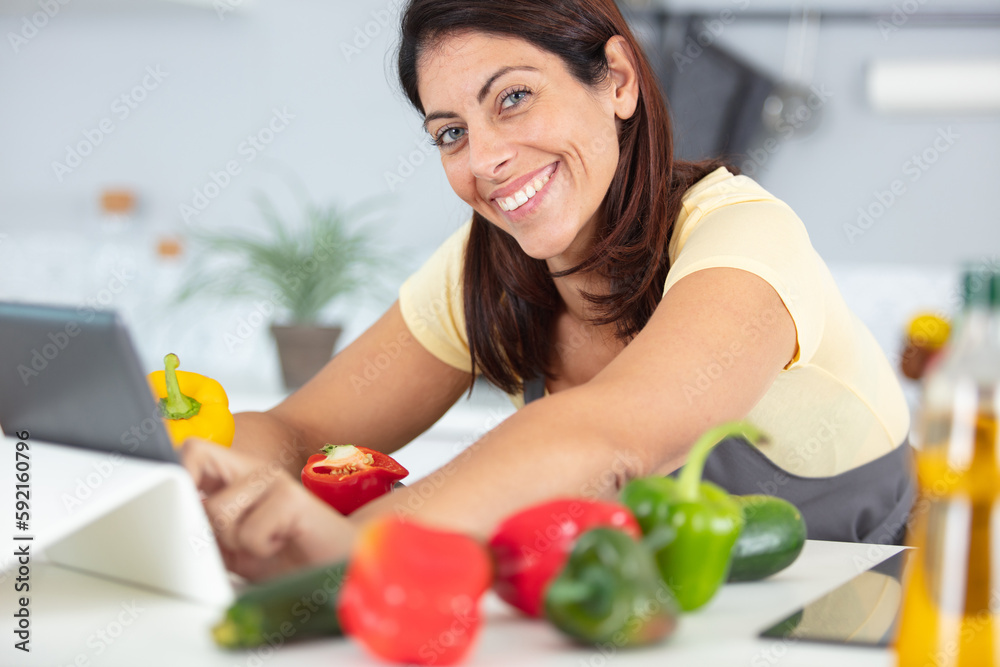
(72, 376)
(864, 611)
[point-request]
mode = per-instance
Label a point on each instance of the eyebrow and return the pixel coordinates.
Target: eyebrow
(483, 92)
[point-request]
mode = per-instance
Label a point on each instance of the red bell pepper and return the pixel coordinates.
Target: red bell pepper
(411, 594)
(348, 476)
(530, 547)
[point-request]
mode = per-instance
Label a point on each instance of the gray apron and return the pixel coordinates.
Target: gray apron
(870, 503)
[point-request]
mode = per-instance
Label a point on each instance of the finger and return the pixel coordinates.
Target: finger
(226, 509)
(266, 527)
(213, 467)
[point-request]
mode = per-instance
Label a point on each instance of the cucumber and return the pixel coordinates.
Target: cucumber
(296, 606)
(773, 535)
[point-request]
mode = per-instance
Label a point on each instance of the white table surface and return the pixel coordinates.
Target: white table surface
(84, 620)
(72, 611)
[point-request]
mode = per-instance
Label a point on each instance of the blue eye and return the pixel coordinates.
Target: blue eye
(449, 135)
(513, 99)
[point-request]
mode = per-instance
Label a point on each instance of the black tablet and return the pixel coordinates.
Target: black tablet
(864, 611)
(72, 376)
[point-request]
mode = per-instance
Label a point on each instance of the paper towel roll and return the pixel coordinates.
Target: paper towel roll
(931, 86)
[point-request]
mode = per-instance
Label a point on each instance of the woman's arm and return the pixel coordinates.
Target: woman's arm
(381, 391)
(636, 417)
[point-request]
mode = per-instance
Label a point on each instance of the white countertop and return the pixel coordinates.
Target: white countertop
(85, 620)
(78, 619)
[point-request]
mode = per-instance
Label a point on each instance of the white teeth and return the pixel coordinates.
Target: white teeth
(521, 197)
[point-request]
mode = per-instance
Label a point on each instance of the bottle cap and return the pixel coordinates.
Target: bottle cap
(976, 286)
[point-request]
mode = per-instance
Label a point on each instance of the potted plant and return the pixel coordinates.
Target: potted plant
(301, 267)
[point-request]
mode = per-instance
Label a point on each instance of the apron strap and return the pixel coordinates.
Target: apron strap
(534, 389)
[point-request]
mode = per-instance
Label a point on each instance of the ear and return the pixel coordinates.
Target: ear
(623, 76)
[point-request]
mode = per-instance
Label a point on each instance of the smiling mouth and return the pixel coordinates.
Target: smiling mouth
(526, 193)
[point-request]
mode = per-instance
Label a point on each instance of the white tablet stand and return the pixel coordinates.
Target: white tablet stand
(124, 518)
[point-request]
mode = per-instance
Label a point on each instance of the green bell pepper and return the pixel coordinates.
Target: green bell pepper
(690, 525)
(609, 591)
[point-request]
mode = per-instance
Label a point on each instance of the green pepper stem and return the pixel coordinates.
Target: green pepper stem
(575, 592)
(690, 478)
(176, 405)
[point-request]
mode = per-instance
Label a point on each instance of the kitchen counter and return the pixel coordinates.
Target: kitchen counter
(78, 619)
(84, 619)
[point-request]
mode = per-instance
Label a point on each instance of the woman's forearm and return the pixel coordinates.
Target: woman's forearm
(549, 448)
(265, 436)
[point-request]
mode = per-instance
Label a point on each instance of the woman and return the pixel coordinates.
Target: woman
(629, 300)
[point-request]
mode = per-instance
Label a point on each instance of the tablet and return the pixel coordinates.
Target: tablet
(863, 612)
(71, 376)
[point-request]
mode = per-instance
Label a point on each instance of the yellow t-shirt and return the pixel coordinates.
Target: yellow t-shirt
(836, 406)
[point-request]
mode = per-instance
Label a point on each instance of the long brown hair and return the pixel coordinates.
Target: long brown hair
(510, 299)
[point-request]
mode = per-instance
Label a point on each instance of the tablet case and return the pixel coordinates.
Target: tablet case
(124, 518)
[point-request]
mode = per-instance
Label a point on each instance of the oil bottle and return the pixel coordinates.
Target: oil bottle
(951, 599)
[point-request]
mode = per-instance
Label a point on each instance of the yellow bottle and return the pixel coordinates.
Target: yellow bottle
(952, 591)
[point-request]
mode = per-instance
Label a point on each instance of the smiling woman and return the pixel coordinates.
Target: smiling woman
(624, 300)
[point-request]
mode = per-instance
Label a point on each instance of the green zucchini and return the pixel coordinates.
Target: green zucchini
(773, 535)
(296, 606)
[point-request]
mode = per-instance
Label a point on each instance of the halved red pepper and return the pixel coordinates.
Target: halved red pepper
(348, 476)
(531, 547)
(411, 593)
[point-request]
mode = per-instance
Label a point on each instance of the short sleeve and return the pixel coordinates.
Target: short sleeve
(431, 303)
(762, 236)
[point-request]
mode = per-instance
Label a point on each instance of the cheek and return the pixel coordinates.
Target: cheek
(459, 177)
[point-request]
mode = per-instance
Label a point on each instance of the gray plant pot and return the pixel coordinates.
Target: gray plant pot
(303, 351)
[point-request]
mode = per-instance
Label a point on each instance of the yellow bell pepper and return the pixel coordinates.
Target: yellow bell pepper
(192, 405)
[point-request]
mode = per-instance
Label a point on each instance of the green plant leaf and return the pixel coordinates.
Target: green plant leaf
(307, 265)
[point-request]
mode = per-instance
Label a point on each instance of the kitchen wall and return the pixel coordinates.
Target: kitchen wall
(161, 97)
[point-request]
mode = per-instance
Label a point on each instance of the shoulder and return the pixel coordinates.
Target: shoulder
(432, 303)
(729, 201)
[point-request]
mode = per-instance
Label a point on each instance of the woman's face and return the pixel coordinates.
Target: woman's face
(522, 141)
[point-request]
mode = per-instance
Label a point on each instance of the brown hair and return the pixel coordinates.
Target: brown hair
(510, 299)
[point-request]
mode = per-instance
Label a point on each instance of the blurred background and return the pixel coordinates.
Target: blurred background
(129, 128)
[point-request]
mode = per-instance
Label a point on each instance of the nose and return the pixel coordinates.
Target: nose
(490, 153)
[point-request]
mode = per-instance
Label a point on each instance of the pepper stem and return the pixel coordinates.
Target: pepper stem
(690, 478)
(226, 633)
(176, 405)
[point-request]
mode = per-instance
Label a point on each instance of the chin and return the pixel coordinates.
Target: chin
(543, 249)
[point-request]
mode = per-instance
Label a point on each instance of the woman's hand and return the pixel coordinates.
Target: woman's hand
(265, 521)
